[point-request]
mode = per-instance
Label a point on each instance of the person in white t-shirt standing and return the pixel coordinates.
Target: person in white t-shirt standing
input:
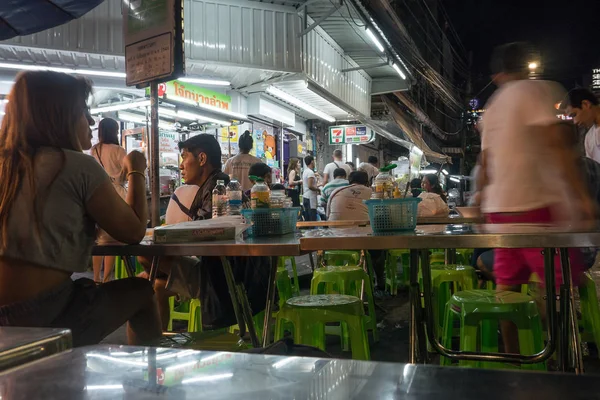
(309, 183)
(332, 166)
(530, 171)
(237, 167)
(584, 108)
(370, 167)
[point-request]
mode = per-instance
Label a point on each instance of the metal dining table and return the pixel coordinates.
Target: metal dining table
(271, 247)
(425, 237)
(19, 346)
(123, 372)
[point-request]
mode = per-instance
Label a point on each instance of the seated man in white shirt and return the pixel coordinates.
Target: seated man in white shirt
(346, 203)
(203, 277)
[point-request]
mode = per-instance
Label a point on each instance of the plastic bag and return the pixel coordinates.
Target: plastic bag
(432, 205)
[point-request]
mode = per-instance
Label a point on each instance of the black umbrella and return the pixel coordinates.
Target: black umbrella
(24, 17)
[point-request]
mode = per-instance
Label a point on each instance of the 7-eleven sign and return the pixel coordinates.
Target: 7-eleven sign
(336, 135)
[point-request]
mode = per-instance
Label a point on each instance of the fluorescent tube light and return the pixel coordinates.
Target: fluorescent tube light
(399, 71)
(121, 106)
(445, 172)
(453, 179)
(299, 103)
(191, 116)
(375, 41)
(29, 67)
(427, 171)
(204, 81)
(231, 114)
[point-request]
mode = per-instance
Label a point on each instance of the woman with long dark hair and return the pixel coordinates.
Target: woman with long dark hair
(50, 204)
(294, 181)
(237, 167)
(110, 155)
(431, 184)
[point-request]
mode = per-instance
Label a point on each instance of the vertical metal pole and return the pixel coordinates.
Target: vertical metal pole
(154, 157)
(271, 288)
(570, 333)
(281, 152)
(414, 299)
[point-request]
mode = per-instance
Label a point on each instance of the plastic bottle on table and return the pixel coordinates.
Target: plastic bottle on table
(234, 198)
(219, 200)
(259, 195)
(384, 183)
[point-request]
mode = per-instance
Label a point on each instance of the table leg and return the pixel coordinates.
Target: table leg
(271, 288)
(416, 342)
(569, 335)
(154, 269)
(233, 294)
(128, 267)
(247, 313)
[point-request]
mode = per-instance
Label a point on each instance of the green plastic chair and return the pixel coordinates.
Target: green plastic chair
(437, 258)
(590, 310)
(186, 311)
(479, 312)
(392, 281)
(284, 286)
(258, 319)
(295, 285)
(121, 272)
(309, 314)
(346, 281)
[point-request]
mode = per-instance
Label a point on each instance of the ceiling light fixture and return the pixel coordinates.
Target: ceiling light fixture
(233, 115)
(453, 179)
(445, 172)
(200, 81)
(399, 71)
(375, 41)
(299, 103)
(29, 67)
(191, 116)
(122, 106)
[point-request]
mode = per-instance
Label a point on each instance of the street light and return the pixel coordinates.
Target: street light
(532, 66)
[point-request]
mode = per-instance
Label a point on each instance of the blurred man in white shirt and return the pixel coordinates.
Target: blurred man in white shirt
(332, 166)
(530, 169)
(584, 108)
(370, 167)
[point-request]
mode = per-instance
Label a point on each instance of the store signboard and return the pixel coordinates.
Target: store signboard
(350, 134)
(180, 90)
(167, 142)
(153, 36)
(596, 79)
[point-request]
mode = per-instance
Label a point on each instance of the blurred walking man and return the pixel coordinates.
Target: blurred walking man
(529, 170)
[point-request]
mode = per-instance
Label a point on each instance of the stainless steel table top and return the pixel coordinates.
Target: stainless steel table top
(101, 372)
(449, 219)
(286, 245)
(451, 236)
(22, 345)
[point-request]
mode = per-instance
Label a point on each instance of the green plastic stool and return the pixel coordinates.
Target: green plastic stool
(590, 310)
(392, 281)
(258, 319)
(464, 256)
(437, 258)
(346, 281)
(479, 312)
(120, 270)
(445, 280)
(186, 311)
(309, 314)
(295, 285)
(340, 258)
(284, 286)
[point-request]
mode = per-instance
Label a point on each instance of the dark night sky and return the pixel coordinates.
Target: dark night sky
(567, 33)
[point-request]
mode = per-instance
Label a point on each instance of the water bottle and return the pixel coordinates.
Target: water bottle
(219, 200)
(234, 198)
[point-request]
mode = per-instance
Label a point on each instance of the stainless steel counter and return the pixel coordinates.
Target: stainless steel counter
(101, 372)
(450, 237)
(22, 345)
